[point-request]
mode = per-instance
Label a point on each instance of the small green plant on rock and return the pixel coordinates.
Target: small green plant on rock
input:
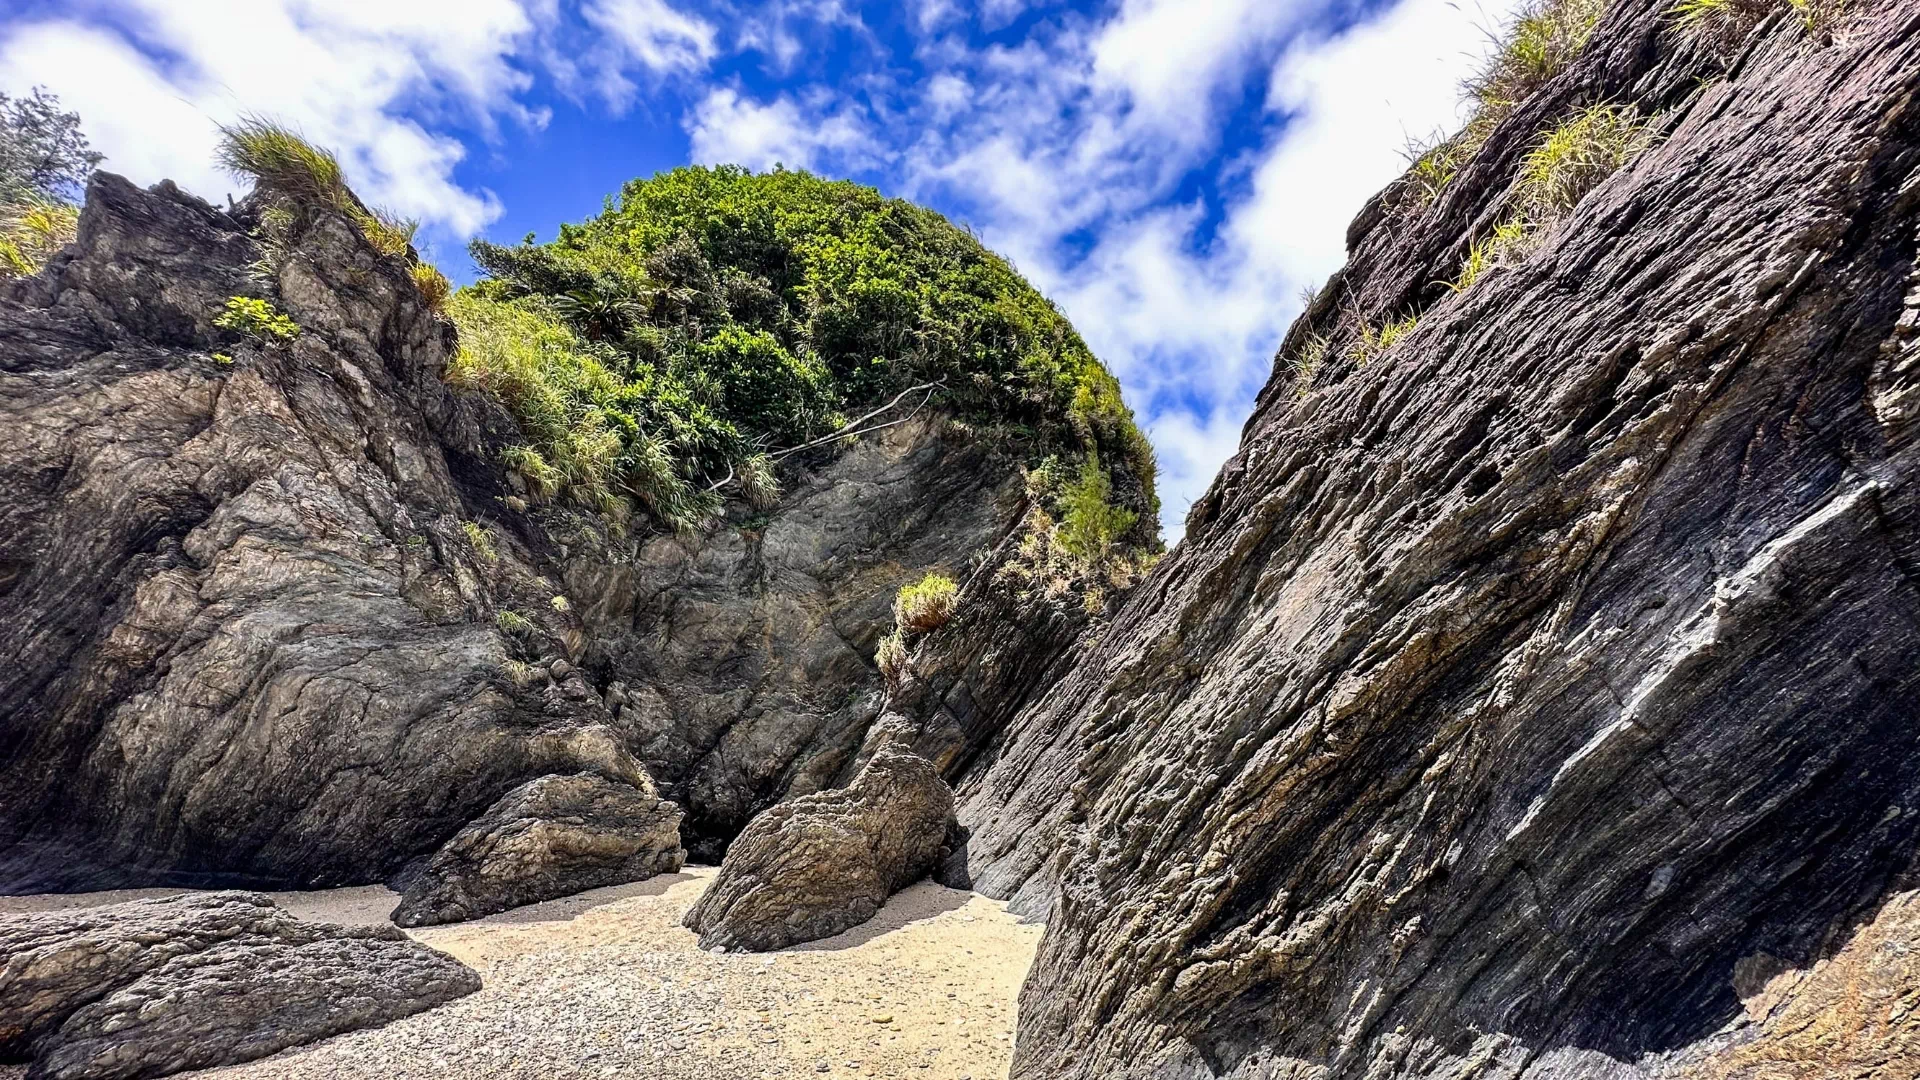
(926, 604)
(257, 319)
(31, 232)
(480, 539)
(513, 622)
(1374, 340)
(891, 656)
(1090, 522)
(434, 287)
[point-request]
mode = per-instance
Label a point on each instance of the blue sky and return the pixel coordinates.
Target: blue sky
(1172, 173)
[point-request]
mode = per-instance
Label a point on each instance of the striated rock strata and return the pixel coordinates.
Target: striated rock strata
(823, 863)
(547, 838)
(1519, 697)
(154, 987)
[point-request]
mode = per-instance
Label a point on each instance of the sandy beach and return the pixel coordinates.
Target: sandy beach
(608, 984)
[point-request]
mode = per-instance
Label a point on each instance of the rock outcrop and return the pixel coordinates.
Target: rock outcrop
(1522, 694)
(547, 838)
(823, 863)
(272, 614)
(154, 987)
(745, 655)
(253, 591)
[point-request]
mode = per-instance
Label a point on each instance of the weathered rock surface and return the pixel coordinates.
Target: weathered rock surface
(1512, 692)
(262, 622)
(246, 633)
(550, 837)
(745, 655)
(823, 863)
(153, 987)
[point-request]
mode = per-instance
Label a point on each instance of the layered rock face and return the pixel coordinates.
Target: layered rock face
(745, 655)
(154, 987)
(547, 838)
(251, 624)
(823, 863)
(1523, 698)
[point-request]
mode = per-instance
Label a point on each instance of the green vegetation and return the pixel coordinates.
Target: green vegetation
(711, 322)
(1726, 23)
(1090, 523)
(1543, 41)
(31, 232)
(926, 604)
(1566, 164)
(891, 656)
(1374, 341)
(560, 604)
(434, 287)
(44, 163)
(257, 319)
(513, 622)
(1575, 157)
(480, 540)
(301, 180)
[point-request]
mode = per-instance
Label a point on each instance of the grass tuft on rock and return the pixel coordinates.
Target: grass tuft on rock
(32, 231)
(926, 604)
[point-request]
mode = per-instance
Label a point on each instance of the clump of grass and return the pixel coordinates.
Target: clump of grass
(303, 179)
(560, 604)
(1375, 340)
(891, 657)
(223, 359)
(926, 604)
(1544, 40)
(389, 233)
(519, 672)
(32, 232)
(278, 158)
(513, 622)
(759, 482)
(434, 287)
(1725, 24)
(480, 540)
(1575, 157)
(1307, 360)
(1511, 240)
(257, 319)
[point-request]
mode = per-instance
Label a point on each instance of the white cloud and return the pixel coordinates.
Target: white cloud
(728, 129)
(369, 79)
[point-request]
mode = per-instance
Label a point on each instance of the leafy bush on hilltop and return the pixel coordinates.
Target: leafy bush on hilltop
(668, 350)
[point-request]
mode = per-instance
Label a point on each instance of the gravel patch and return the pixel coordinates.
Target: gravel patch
(608, 984)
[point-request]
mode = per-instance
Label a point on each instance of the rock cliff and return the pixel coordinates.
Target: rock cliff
(274, 613)
(1538, 681)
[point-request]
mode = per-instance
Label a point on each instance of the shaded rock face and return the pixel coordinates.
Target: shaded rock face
(245, 633)
(745, 655)
(547, 838)
(823, 863)
(154, 987)
(1510, 695)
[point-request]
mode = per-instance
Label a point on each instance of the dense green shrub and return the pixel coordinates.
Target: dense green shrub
(44, 162)
(710, 318)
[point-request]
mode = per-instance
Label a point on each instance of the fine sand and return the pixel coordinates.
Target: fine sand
(608, 984)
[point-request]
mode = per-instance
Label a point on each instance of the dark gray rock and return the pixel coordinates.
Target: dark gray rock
(245, 636)
(823, 863)
(1511, 693)
(153, 987)
(550, 837)
(747, 651)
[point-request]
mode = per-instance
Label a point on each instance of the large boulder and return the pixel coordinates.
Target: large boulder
(550, 837)
(823, 863)
(153, 987)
